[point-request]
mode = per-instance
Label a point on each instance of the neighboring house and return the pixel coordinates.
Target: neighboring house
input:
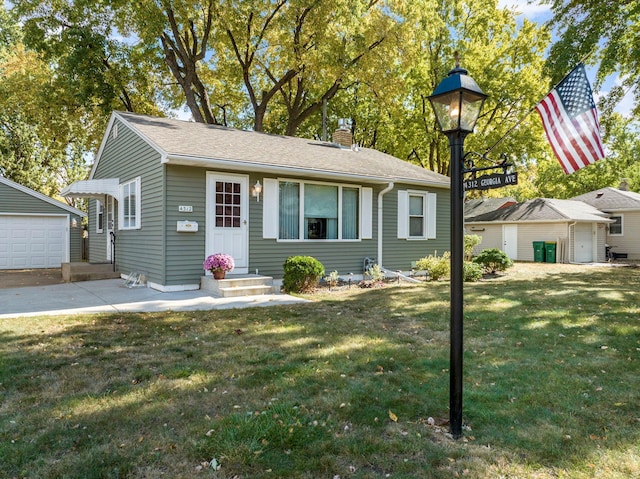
(481, 206)
(173, 192)
(623, 206)
(578, 229)
(36, 231)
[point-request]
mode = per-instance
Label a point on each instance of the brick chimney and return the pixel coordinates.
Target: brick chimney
(624, 184)
(343, 136)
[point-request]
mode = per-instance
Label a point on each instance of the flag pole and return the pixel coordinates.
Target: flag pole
(488, 150)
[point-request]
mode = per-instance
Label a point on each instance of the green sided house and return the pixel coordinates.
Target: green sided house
(165, 193)
(36, 231)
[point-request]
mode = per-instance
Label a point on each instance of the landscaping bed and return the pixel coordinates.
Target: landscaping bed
(352, 385)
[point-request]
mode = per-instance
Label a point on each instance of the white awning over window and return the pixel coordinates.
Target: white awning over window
(93, 188)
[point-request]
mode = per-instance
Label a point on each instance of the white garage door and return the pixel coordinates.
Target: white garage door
(33, 241)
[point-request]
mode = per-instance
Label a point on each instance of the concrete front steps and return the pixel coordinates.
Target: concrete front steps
(237, 285)
(72, 272)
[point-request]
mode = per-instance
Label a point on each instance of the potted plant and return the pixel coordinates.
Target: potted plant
(218, 264)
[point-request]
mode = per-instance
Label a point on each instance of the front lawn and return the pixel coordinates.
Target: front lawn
(354, 385)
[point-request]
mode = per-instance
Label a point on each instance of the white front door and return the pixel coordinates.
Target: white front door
(109, 218)
(510, 241)
(228, 218)
(583, 244)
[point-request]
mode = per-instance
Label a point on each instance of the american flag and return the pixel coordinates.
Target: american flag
(570, 121)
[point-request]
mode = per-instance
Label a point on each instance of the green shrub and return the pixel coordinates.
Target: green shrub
(470, 242)
(471, 271)
(493, 260)
(375, 273)
(301, 274)
(436, 266)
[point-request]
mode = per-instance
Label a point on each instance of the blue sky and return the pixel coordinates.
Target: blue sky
(534, 10)
(541, 13)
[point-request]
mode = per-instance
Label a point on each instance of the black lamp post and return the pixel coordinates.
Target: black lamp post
(457, 102)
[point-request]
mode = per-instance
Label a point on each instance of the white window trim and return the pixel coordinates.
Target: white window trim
(271, 211)
(621, 225)
(99, 213)
(423, 196)
(429, 210)
(138, 219)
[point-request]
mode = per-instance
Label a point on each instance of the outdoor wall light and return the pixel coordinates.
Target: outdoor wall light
(457, 102)
(74, 222)
(256, 190)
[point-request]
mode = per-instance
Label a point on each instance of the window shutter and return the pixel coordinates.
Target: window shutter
(270, 209)
(367, 213)
(431, 215)
(403, 214)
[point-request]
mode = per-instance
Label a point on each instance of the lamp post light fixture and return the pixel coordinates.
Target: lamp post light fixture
(457, 102)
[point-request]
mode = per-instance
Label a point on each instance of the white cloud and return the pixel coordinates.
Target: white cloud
(531, 9)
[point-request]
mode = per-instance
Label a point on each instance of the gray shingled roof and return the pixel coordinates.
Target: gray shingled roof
(611, 199)
(190, 143)
(485, 205)
(41, 197)
(543, 210)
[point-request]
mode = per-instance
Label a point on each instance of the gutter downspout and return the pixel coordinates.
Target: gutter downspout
(380, 195)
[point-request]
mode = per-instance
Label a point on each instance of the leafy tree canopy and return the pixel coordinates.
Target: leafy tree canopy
(600, 33)
(271, 65)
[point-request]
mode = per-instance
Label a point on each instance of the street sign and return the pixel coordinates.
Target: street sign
(496, 180)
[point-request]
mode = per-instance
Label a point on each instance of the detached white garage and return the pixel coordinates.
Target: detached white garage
(36, 231)
(577, 228)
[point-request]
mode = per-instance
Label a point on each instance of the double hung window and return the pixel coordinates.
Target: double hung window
(129, 205)
(416, 215)
(615, 229)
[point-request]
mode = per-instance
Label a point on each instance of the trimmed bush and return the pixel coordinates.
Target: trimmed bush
(493, 260)
(471, 271)
(301, 274)
(436, 266)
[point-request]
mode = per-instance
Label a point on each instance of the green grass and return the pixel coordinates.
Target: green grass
(552, 362)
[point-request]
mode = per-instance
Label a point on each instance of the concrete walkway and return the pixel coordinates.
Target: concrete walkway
(111, 296)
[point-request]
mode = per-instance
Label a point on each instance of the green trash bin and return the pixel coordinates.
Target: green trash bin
(550, 251)
(538, 251)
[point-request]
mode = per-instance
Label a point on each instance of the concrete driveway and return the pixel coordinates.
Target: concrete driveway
(111, 296)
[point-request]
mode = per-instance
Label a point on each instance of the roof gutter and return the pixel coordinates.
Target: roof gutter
(380, 195)
(514, 222)
(288, 170)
